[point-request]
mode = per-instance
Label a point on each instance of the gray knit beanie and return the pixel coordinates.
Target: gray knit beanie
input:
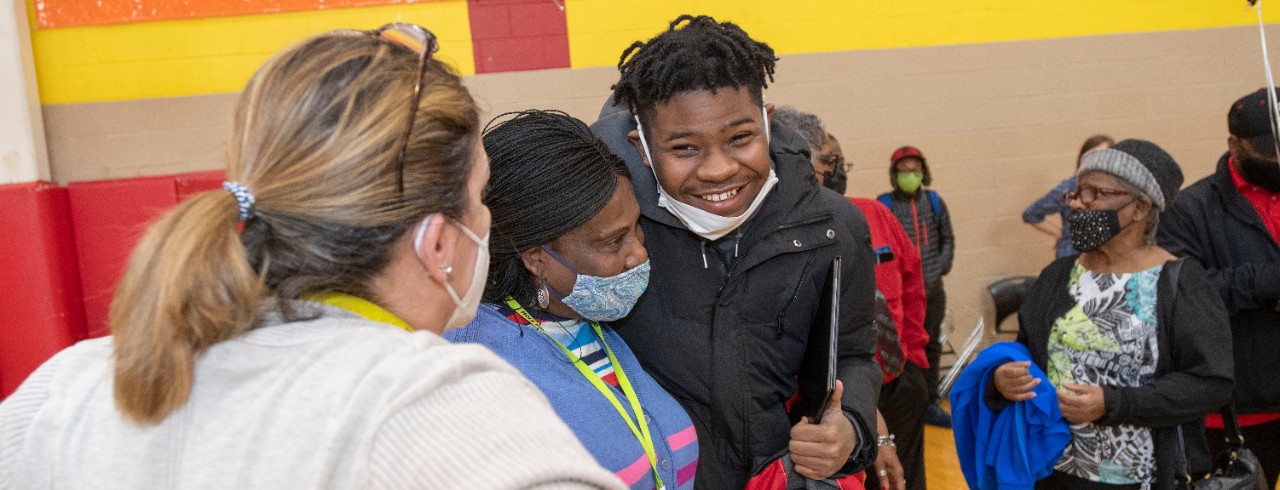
(1142, 164)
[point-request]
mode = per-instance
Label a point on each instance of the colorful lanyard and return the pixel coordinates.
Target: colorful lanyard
(641, 433)
(360, 306)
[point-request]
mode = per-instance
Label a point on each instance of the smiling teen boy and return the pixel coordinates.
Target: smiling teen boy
(741, 240)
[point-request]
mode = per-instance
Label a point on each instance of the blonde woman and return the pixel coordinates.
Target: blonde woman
(304, 352)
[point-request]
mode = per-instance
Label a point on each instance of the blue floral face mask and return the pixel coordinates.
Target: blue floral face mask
(604, 299)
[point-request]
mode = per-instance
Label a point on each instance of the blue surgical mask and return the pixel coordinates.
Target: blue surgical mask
(604, 299)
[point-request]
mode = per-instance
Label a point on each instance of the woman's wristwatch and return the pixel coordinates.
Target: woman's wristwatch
(886, 441)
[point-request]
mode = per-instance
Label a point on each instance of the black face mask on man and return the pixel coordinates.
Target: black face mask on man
(1090, 229)
(1262, 173)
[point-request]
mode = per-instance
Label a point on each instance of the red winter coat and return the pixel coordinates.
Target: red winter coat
(901, 279)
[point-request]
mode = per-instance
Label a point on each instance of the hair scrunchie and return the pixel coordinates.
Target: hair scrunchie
(244, 199)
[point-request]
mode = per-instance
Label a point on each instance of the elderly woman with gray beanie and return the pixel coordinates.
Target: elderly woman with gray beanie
(568, 256)
(1135, 348)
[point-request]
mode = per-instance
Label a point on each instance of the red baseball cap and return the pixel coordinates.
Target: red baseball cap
(906, 152)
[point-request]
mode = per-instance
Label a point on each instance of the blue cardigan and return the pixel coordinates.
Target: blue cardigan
(590, 415)
(1013, 447)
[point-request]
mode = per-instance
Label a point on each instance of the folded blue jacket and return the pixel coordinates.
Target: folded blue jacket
(1015, 444)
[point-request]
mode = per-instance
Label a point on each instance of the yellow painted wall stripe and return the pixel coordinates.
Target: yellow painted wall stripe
(217, 55)
(211, 55)
(599, 30)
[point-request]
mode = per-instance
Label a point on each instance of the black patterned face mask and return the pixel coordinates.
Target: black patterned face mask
(1090, 229)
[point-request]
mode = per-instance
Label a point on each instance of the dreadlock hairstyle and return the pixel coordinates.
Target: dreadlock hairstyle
(695, 53)
(549, 174)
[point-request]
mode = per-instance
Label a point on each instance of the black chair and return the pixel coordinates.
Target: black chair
(1007, 294)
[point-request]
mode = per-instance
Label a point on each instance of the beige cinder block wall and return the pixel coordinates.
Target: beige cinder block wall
(1000, 123)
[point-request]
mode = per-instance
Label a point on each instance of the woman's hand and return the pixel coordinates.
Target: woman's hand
(1014, 381)
(1081, 404)
(887, 466)
(889, 469)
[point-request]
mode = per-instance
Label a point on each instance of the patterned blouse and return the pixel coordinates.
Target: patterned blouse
(1107, 339)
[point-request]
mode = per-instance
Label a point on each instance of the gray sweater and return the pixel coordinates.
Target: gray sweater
(335, 402)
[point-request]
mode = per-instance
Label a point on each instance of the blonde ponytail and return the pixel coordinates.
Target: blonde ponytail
(188, 286)
(316, 137)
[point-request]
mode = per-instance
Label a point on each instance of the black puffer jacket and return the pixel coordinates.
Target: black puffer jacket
(728, 341)
(1213, 223)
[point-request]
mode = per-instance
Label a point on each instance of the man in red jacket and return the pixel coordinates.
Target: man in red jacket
(900, 278)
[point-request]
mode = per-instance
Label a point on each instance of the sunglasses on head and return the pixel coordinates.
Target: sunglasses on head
(421, 41)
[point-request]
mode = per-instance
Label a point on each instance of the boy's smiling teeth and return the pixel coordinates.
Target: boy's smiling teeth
(721, 196)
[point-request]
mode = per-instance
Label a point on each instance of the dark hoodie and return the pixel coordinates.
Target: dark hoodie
(723, 325)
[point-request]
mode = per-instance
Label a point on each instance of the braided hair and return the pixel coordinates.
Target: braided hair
(695, 53)
(549, 174)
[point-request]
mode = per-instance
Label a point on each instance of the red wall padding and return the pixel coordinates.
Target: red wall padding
(109, 217)
(64, 250)
(197, 182)
(40, 309)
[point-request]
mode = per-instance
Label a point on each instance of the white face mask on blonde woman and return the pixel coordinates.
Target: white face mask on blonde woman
(464, 308)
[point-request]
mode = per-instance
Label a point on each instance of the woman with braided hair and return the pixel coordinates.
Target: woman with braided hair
(741, 242)
(569, 257)
(305, 352)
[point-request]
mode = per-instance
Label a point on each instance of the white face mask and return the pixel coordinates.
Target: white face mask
(703, 223)
(464, 308)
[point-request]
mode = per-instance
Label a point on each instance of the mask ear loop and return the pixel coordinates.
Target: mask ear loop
(448, 269)
(645, 145)
(417, 242)
(422, 229)
(764, 113)
(556, 256)
(559, 259)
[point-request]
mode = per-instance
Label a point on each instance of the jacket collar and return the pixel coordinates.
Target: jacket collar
(1232, 200)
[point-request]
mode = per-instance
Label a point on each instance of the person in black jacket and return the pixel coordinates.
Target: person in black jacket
(1137, 353)
(1230, 222)
(923, 213)
(741, 240)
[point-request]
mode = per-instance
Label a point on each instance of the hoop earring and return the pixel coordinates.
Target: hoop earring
(544, 296)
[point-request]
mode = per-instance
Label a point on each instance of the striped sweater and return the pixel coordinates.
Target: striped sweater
(588, 413)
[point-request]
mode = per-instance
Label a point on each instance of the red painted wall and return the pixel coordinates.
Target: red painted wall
(514, 35)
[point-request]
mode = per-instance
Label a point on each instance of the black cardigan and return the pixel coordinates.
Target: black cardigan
(1193, 372)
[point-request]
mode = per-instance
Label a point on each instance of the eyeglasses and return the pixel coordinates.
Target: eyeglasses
(835, 161)
(1087, 195)
(421, 41)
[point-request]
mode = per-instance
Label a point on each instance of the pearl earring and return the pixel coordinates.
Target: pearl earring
(448, 269)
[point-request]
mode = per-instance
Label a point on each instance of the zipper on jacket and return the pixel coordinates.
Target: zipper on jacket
(783, 313)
